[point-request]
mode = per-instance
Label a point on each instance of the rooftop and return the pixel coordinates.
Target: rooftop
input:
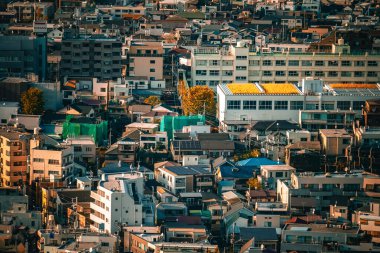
(319, 228)
(334, 133)
(268, 88)
(187, 170)
(277, 167)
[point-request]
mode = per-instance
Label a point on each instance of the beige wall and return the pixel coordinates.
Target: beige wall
(13, 156)
(46, 162)
(147, 58)
(334, 145)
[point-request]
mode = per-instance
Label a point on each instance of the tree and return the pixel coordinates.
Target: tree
(32, 101)
(254, 183)
(152, 100)
(199, 99)
(250, 154)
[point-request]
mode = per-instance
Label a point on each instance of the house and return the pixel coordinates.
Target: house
(169, 210)
(137, 110)
(269, 174)
(261, 236)
(334, 141)
(238, 216)
(304, 155)
(84, 149)
(185, 232)
(179, 179)
(165, 196)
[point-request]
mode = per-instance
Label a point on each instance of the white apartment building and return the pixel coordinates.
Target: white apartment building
(212, 66)
(119, 200)
(284, 101)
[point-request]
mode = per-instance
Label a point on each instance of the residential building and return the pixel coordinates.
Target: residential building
(271, 173)
(14, 152)
(23, 55)
(304, 155)
(318, 237)
(28, 11)
(120, 199)
(313, 120)
(97, 56)
(7, 109)
(169, 210)
(84, 149)
(334, 141)
(52, 163)
(179, 179)
(237, 64)
(276, 101)
(146, 59)
(125, 148)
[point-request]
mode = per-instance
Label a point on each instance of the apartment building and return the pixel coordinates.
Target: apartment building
(272, 101)
(20, 55)
(313, 120)
(179, 179)
(96, 56)
(334, 141)
(51, 162)
(271, 173)
(146, 59)
(84, 149)
(13, 157)
(29, 11)
(213, 66)
(119, 199)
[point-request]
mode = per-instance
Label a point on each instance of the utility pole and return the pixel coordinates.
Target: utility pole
(74, 205)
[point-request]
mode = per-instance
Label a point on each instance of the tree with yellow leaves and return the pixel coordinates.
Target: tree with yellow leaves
(152, 100)
(199, 99)
(254, 184)
(250, 154)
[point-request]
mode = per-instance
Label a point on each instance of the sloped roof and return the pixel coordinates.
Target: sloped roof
(257, 162)
(260, 234)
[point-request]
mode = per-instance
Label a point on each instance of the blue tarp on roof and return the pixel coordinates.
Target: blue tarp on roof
(256, 162)
(244, 169)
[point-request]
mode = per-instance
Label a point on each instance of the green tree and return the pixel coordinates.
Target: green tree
(152, 100)
(32, 101)
(198, 99)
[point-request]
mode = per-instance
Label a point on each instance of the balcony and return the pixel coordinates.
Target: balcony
(145, 55)
(95, 196)
(97, 208)
(96, 219)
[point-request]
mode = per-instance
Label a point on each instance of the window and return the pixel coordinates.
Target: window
(152, 61)
(241, 78)
(332, 63)
(319, 63)
(333, 74)
(307, 73)
(52, 161)
(241, 68)
(227, 72)
(357, 105)
(281, 105)
(214, 72)
(372, 74)
(372, 64)
(267, 73)
(52, 172)
(152, 70)
(201, 62)
(346, 63)
(102, 89)
(200, 82)
(343, 105)
(227, 63)
(358, 74)
(267, 63)
(38, 160)
(214, 63)
(38, 171)
(359, 64)
(280, 73)
(326, 106)
(293, 73)
(279, 174)
(306, 63)
(319, 73)
(241, 57)
(312, 106)
(296, 105)
(294, 63)
(265, 105)
(249, 105)
(254, 63)
(280, 63)
(201, 72)
(233, 104)
(345, 74)
(213, 83)
(88, 149)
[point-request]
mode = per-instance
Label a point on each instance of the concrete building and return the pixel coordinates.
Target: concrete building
(334, 141)
(146, 60)
(28, 11)
(271, 173)
(251, 102)
(7, 109)
(51, 162)
(119, 199)
(84, 149)
(314, 120)
(96, 56)
(212, 66)
(15, 148)
(22, 55)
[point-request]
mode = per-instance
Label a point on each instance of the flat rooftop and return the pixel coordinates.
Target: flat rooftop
(260, 89)
(319, 228)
